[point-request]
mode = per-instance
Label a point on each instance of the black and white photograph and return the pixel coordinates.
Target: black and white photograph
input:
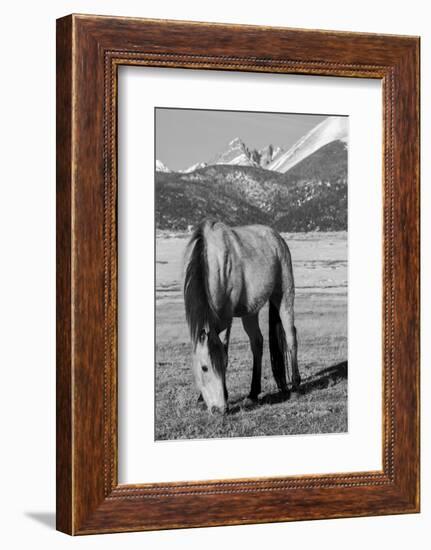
(251, 275)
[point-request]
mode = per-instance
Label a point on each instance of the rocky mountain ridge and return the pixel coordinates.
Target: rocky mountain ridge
(312, 195)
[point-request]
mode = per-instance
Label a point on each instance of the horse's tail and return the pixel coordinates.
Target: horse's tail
(277, 347)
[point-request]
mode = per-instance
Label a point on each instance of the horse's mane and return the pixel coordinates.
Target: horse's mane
(200, 312)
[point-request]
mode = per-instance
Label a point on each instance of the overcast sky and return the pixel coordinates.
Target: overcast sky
(187, 136)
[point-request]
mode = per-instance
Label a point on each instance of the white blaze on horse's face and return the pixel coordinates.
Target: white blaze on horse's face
(209, 366)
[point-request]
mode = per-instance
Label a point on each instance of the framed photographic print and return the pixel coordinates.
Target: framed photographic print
(237, 274)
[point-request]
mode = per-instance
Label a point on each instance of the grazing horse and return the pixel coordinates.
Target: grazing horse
(232, 272)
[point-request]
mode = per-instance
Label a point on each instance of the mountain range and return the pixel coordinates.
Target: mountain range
(301, 189)
(235, 154)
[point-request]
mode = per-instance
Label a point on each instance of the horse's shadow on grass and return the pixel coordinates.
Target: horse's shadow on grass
(324, 378)
(320, 380)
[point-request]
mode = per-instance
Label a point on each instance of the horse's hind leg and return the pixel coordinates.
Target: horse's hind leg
(251, 327)
(287, 320)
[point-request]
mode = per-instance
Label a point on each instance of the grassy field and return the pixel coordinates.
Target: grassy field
(320, 406)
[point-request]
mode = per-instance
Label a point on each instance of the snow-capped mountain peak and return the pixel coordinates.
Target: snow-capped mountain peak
(194, 167)
(236, 153)
(236, 142)
(331, 129)
(160, 167)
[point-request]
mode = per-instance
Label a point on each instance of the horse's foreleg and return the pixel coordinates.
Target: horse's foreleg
(287, 320)
(226, 340)
(251, 327)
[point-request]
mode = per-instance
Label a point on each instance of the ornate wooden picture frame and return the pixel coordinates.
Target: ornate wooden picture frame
(89, 51)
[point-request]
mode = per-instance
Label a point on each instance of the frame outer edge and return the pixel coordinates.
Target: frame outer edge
(81, 508)
(407, 272)
(64, 366)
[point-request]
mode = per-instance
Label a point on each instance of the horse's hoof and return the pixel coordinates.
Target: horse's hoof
(296, 382)
(285, 392)
(249, 402)
(219, 411)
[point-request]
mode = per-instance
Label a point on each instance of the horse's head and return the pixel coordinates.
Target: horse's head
(209, 368)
